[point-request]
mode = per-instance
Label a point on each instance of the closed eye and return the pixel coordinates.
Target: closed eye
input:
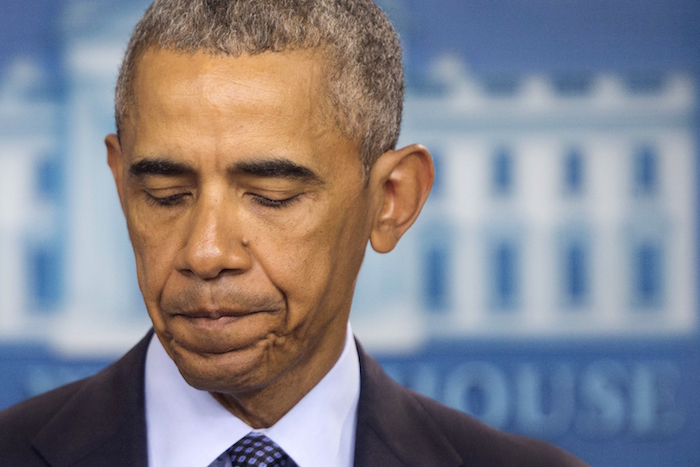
(166, 201)
(274, 203)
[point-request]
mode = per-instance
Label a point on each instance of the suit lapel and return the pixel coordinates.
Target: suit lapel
(393, 428)
(104, 423)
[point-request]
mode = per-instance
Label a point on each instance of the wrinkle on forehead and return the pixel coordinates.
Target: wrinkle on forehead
(302, 91)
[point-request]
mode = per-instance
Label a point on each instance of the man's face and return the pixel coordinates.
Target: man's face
(248, 215)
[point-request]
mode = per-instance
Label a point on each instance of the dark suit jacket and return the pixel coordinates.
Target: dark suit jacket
(100, 422)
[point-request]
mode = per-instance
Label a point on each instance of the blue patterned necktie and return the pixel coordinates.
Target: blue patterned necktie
(255, 450)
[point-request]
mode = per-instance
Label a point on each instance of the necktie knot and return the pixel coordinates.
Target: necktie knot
(257, 450)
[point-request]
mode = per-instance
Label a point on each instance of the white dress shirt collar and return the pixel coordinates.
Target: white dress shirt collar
(188, 428)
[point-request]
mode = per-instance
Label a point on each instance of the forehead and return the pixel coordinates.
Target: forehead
(289, 86)
(214, 111)
(163, 75)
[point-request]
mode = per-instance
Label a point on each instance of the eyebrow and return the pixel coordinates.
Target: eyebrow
(160, 167)
(276, 168)
(268, 168)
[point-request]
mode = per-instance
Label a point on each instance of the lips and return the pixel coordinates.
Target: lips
(217, 320)
(193, 300)
(218, 331)
(219, 313)
(220, 316)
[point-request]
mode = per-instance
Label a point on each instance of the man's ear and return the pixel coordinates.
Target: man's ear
(115, 162)
(403, 179)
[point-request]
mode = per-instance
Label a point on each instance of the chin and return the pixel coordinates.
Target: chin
(227, 373)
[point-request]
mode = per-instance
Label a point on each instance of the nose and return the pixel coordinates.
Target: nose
(215, 244)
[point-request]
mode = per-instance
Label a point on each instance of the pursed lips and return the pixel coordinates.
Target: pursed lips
(212, 319)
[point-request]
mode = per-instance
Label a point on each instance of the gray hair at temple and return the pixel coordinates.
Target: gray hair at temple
(362, 52)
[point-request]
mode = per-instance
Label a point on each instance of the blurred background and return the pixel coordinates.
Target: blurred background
(550, 286)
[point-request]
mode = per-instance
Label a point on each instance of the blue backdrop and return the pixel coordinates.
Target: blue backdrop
(549, 288)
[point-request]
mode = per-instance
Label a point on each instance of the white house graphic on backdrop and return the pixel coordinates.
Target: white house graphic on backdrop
(562, 206)
(29, 224)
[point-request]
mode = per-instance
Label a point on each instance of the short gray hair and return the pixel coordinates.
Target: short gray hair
(364, 73)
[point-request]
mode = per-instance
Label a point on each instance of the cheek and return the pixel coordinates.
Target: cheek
(154, 250)
(315, 259)
(296, 260)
